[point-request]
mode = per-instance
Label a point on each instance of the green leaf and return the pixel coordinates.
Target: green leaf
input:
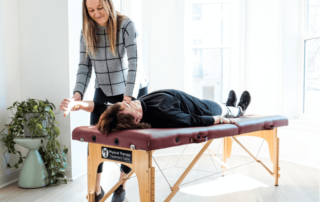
(65, 150)
(54, 159)
(14, 104)
(65, 181)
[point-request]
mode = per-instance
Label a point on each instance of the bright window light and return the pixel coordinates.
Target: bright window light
(224, 185)
(311, 68)
(210, 38)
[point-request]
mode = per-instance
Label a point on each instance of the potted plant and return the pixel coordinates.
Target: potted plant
(33, 126)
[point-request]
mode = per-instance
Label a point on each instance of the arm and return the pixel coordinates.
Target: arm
(68, 105)
(178, 119)
(217, 120)
(84, 71)
(130, 34)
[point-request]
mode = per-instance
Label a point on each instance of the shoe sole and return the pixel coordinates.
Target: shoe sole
(243, 111)
(235, 102)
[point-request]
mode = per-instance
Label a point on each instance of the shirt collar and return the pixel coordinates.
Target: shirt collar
(144, 111)
(100, 29)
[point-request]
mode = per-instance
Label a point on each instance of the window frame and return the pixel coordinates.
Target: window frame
(236, 81)
(301, 80)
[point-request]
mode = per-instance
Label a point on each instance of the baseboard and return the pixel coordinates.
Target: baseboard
(12, 175)
(9, 176)
(68, 174)
(75, 177)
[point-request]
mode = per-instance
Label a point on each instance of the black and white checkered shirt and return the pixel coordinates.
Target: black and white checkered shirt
(115, 75)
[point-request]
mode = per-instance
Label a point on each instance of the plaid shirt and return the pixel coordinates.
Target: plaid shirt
(117, 74)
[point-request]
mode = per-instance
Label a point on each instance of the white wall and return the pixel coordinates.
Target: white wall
(262, 52)
(271, 66)
(44, 62)
(10, 86)
(162, 36)
(39, 43)
(78, 149)
(290, 81)
(36, 63)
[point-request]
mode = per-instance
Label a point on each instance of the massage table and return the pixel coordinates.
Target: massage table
(134, 149)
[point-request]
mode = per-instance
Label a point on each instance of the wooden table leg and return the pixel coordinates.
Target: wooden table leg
(144, 172)
(276, 167)
(93, 163)
(227, 146)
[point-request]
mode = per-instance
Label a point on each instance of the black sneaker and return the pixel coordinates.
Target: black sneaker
(119, 195)
(244, 102)
(99, 197)
(232, 99)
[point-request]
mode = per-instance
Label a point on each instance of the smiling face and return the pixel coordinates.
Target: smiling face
(97, 12)
(134, 108)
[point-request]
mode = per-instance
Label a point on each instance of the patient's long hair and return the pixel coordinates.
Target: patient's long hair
(113, 121)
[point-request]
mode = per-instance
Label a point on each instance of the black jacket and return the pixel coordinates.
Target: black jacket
(173, 109)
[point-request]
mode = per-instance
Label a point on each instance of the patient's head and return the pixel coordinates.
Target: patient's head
(122, 116)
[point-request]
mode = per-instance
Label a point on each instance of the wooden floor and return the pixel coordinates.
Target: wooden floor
(250, 182)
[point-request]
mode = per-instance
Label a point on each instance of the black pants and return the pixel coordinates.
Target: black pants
(94, 118)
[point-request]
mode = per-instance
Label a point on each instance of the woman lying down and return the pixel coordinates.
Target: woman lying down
(161, 109)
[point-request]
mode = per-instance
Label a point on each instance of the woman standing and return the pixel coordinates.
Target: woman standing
(108, 43)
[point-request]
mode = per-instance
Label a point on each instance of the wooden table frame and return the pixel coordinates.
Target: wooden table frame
(142, 165)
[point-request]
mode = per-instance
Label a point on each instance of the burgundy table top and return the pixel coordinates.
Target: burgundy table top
(153, 139)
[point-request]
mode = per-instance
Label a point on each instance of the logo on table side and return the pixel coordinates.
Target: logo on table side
(116, 154)
(105, 152)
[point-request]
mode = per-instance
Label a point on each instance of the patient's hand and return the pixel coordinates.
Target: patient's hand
(227, 120)
(68, 105)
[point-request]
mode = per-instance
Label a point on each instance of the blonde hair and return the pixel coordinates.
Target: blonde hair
(113, 25)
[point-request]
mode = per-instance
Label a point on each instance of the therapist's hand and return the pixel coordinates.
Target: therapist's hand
(76, 96)
(127, 99)
(68, 105)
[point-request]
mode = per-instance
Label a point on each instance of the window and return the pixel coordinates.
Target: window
(210, 39)
(117, 4)
(311, 57)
